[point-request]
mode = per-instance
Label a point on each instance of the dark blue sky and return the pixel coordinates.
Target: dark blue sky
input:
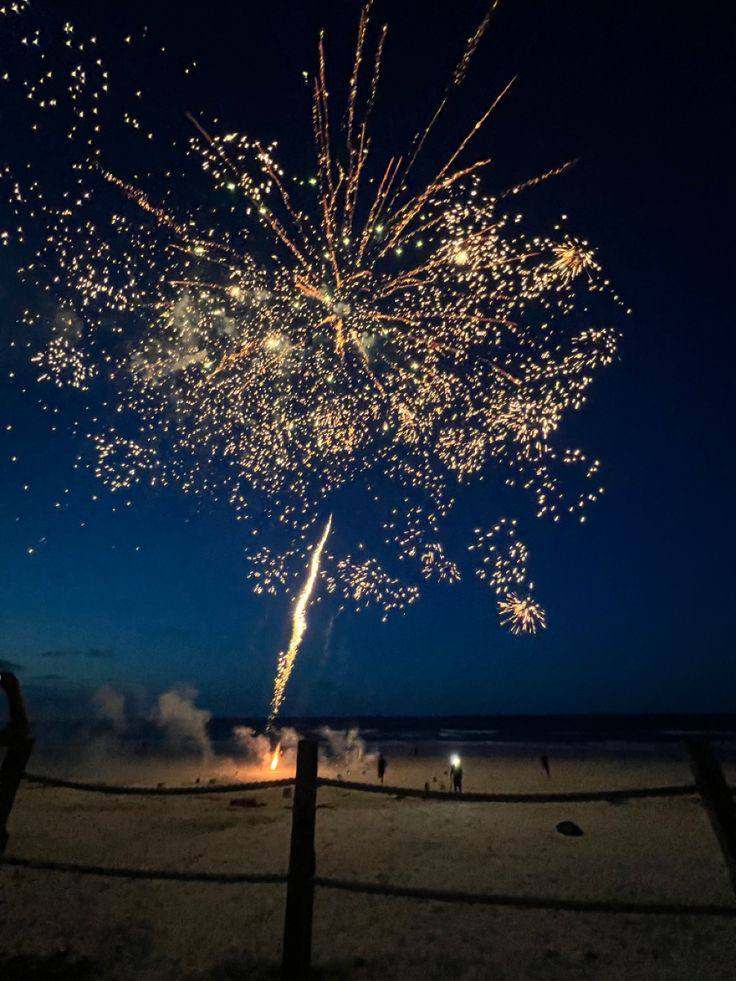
(639, 600)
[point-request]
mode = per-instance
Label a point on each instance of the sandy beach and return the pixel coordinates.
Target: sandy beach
(645, 850)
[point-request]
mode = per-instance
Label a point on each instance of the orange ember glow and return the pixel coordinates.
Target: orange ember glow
(275, 757)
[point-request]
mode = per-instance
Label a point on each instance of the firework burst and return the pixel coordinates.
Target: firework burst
(522, 615)
(348, 330)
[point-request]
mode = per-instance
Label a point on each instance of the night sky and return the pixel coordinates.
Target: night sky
(640, 599)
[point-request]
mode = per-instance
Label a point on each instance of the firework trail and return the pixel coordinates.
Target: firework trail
(298, 627)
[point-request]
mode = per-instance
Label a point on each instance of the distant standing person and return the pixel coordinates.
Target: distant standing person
(456, 774)
(381, 766)
(544, 760)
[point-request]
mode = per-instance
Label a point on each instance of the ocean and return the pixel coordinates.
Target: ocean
(570, 729)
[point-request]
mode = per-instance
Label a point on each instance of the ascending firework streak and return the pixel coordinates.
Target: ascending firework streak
(298, 627)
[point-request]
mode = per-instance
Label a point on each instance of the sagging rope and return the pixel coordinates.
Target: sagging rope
(439, 795)
(561, 798)
(525, 902)
(106, 788)
(220, 878)
(372, 888)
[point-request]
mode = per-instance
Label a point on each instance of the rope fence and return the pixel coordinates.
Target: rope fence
(523, 902)
(568, 798)
(576, 797)
(710, 785)
(168, 875)
(108, 788)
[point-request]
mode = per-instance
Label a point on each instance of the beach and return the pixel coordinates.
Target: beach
(644, 850)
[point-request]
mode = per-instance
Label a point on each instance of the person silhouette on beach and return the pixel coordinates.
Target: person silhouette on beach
(381, 766)
(456, 774)
(544, 760)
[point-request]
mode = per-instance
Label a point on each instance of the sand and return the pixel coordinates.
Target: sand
(648, 850)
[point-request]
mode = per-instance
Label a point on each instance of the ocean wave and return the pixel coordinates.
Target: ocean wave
(466, 734)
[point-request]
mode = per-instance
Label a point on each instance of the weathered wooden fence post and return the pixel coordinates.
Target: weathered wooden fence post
(297, 952)
(19, 742)
(718, 799)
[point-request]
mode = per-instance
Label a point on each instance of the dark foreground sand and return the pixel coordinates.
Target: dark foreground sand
(656, 850)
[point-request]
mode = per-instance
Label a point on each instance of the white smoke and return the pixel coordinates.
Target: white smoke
(257, 748)
(254, 747)
(133, 737)
(109, 706)
(345, 750)
(339, 752)
(184, 726)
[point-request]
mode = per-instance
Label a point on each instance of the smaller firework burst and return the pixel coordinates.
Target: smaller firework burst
(521, 614)
(504, 568)
(572, 259)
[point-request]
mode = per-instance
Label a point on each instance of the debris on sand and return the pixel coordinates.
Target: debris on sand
(570, 829)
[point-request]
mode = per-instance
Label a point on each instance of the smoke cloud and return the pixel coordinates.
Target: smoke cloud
(132, 736)
(183, 725)
(109, 706)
